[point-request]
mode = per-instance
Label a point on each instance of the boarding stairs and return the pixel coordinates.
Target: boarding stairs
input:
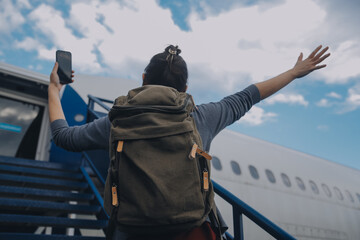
(50, 200)
(46, 200)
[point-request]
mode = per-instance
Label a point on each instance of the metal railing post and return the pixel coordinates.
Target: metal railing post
(93, 168)
(238, 224)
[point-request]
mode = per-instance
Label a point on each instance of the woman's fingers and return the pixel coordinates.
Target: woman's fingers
(300, 58)
(55, 68)
(315, 51)
(321, 53)
(319, 66)
(322, 58)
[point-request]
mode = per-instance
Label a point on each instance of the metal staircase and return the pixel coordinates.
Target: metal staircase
(48, 198)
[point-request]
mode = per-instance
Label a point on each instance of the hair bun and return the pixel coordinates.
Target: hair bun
(173, 50)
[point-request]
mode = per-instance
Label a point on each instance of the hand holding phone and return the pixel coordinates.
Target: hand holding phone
(65, 69)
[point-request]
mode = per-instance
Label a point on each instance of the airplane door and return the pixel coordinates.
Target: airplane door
(20, 125)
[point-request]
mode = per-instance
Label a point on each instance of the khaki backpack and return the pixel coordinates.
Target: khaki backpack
(159, 178)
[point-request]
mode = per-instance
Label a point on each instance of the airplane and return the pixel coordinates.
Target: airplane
(307, 196)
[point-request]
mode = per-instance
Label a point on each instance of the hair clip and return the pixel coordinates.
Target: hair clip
(173, 52)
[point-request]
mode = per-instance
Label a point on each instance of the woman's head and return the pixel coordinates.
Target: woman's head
(167, 69)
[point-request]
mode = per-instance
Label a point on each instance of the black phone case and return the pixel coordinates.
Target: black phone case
(65, 69)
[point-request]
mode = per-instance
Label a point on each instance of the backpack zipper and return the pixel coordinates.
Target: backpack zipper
(115, 201)
(205, 174)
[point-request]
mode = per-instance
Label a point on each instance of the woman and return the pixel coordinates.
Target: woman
(169, 69)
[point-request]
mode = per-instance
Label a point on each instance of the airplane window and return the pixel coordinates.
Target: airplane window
(253, 171)
(314, 187)
(349, 195)
(326, 190)
(270, 176)
(216, 163)
(235, 167)
(338, 193)
(300, 183)
(286, 180)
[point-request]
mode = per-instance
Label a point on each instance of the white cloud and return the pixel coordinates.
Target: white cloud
(114, 33)
(278, 41)
(28, 44)
(323, 103)
(351, 103)
(344, 18)
(353, 99)
(344, 63)
(257, 116)
(236, 46)
(334, 101)
(23, 4)
(10, 17)
(334, 95)
(51, 23)
(287, 98)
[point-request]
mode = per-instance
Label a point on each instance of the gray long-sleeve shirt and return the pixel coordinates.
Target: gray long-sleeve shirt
(210, 119)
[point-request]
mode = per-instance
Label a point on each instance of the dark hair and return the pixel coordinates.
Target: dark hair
(167, 69)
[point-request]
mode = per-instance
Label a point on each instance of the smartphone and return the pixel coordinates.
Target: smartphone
(65, 70)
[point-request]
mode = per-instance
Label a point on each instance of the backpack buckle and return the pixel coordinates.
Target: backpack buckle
(120, 146)
(196, 150)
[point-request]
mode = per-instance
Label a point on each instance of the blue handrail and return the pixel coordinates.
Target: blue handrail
(239, 207)
(93, 168)
(99, 101)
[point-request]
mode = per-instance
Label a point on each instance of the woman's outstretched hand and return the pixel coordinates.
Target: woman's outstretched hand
(311, 63)
(301, 69)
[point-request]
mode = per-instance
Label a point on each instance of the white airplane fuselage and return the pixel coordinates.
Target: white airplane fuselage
(320, 199)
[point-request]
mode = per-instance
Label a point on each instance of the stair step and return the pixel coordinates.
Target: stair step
(29, 205)
(44, 193)
(28, 236)
(40, 172)
(9, 219)
(38, 164)
(64, 184)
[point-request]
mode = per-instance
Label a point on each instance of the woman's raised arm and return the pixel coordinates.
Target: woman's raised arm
(301, 69)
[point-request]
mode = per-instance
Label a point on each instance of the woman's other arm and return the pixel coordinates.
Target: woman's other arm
(301, 69)
(94, 135)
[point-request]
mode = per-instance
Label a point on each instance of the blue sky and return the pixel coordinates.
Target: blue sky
(227, 45)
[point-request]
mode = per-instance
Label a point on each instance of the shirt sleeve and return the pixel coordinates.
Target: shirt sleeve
(93, 135)
(213, 117)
